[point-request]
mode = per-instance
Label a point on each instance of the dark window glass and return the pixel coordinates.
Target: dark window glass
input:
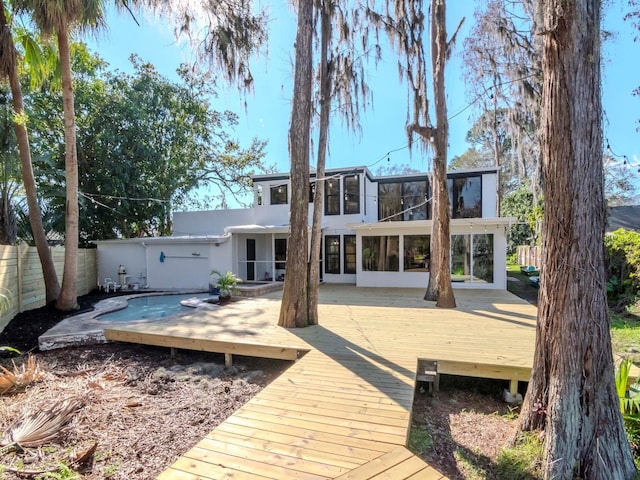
(380, 253)
(349, 254)
(312, 191)
(465, 196)
(280, 247)
(279, 195)
(351, 194)
(414, 194)
(389, 201)
(332, 197)
(483, 258)
(416, 253)
(332, 254)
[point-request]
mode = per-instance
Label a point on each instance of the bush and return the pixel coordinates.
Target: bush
(623, 266)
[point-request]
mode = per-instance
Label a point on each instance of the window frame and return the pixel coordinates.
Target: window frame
(351, 197)
(332, 197)
(330, 256)
(276, 192)
(350, 262)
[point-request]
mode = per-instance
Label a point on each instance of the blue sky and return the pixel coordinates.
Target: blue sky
(268, 109)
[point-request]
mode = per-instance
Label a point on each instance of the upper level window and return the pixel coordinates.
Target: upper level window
(279, 195)
(414, 201)
(403, 201)
(389, 201)
(351, 194)
(465, 196)
(332, 197)
(312, 191)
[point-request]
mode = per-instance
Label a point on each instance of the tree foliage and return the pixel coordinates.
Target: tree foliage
(503, 68)
(145, 145)
(623, 266)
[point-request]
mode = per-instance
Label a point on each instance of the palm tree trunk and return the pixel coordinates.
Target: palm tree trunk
(67, 300)
(52, 286)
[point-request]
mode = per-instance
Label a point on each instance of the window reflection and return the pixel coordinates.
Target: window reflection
(381, 253)
(465, 196)
(416, 253)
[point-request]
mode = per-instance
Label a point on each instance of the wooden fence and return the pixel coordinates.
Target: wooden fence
(529, 255)
(22, 283)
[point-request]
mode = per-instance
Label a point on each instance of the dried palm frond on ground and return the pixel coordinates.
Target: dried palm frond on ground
(19, 376)
(35, 428)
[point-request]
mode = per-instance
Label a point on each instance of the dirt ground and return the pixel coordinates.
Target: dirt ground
(143, 408)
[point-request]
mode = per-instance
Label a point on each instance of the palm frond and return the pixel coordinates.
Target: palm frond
(34, 429)
(20, 376)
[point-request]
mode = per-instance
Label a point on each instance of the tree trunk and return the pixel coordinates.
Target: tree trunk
(318, 199)
(293, 310)
(571, 394)
(52, 286)
(67, 300)
(439, 287)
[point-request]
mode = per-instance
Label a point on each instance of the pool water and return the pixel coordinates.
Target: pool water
(154, 306)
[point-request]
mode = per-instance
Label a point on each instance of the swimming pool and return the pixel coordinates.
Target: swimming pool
(149, 307)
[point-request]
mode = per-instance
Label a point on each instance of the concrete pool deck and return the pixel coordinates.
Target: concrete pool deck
(86, 329)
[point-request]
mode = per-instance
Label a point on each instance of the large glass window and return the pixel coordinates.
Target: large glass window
(396, 197)
(332, 197)
(332, 254)
(389, 198)
(279, 195)
(416, 253)
(349, 254)
(381, 253)
(472, 258)
(465, 196)
(351, 194)
(280, 247)
(414, 194)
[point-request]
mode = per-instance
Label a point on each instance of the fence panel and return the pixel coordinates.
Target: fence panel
(21, 281)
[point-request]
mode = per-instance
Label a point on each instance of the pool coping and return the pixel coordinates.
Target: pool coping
(85, 329)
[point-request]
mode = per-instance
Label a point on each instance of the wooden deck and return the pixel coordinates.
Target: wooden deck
(343, 410)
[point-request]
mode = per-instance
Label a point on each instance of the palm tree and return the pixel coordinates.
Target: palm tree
(58, 18)
(9, 69)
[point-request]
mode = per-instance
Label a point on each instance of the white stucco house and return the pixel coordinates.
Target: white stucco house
(375, 232)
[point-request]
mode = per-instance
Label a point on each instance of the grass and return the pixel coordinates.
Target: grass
(419, 440)
(625, 334)
(522, 461)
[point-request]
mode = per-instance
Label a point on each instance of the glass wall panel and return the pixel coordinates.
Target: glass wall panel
(465, 196)
(414, 193)
(389, 197)
(381, 253)
(460, 258)
(416, 253)
(483, 258)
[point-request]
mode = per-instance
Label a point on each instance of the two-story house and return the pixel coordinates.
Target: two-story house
(375, 232)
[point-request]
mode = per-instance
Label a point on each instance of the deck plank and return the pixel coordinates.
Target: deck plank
(343, 408)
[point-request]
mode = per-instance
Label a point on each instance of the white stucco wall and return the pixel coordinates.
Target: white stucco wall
(131, 255)
(210, 222)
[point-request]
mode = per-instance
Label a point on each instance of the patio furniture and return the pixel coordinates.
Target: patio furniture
(110, 284)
